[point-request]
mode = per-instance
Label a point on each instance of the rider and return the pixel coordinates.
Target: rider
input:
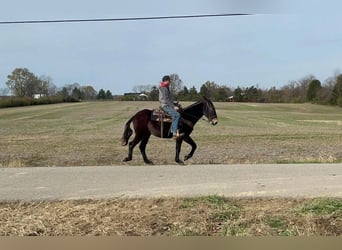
(167, 104)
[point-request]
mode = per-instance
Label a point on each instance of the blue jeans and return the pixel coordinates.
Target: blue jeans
(175, 118)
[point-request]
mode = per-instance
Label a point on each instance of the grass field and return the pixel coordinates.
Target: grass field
(89, 134)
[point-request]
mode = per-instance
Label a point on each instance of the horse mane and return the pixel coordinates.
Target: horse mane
(194, 104)
(197, 107)
(193, 112)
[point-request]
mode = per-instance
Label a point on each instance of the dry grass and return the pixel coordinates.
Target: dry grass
(210, 215)
(89, 134)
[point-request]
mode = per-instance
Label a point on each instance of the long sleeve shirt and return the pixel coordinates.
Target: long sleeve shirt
(165, 97)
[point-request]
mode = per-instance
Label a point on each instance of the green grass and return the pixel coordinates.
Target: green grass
(214, 200)
(89, 133)
(282, 217)
(320, 206)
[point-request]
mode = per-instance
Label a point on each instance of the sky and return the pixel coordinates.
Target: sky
(284, 41)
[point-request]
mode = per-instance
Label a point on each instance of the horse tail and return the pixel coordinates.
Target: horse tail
(127, 132)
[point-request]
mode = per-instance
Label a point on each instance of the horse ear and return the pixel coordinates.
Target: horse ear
(206, 98)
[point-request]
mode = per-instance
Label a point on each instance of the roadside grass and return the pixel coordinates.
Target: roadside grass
(322, 206)
(198, 216)
(89, 134)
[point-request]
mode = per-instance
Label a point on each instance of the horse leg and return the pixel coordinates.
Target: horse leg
(142, 148)
(193, 145)
(131, 146)
(178, 149)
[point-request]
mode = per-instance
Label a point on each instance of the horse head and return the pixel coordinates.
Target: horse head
(209, 110)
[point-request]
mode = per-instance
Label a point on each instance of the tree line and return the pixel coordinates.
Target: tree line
(307, 89)
(29, 89)
(25, 85)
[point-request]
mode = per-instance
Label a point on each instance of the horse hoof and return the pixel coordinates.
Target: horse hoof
(180, 162)
(127, 159)
(187, 157)
(149, 162)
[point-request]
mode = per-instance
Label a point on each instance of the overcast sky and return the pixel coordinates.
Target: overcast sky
(284, 41)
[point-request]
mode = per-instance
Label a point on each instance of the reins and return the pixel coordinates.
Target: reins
(197, 117)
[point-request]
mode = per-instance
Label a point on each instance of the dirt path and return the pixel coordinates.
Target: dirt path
(262, 180)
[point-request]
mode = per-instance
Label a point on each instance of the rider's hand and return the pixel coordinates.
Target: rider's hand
(176, 108)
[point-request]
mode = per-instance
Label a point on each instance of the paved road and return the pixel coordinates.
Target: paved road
(284, 180)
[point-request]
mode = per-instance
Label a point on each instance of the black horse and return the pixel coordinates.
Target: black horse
(144, 126)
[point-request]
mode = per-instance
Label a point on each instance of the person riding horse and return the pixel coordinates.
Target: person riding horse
(183, 122)
(144, 127)
(167, 104)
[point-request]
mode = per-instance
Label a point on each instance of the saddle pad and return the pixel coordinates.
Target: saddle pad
(160, 115)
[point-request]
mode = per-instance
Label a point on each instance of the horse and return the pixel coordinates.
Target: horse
(144, 127)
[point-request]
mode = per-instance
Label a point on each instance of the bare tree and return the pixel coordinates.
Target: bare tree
(46, 86)
(4, 91)
(142, 88)
(176, 83)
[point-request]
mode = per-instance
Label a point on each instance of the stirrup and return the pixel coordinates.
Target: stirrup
(178, 135)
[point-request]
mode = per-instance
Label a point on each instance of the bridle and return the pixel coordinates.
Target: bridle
(205, 110)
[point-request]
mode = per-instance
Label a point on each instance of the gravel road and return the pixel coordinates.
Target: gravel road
(258, 180)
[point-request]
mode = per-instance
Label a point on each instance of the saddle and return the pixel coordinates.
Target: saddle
(160, 115)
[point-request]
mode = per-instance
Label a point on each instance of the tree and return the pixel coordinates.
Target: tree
(176, 84)
(336, 97)
(209, 89)
(193, 95)
(223, 92)
(296, 91)
(142, 88)
(183, 95)
(52, 91)
(76, 93)
(104, 95)
(109, 95)
(22, 82)
(45, 86)
(239, 95)
(154, 94)
(252, 94)
(101, 95)
(4, 91)
(314, 87)
(273, 95)
(303, 86)
(71, 87)
(88, 92)
(63, 93)
(324, 95)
